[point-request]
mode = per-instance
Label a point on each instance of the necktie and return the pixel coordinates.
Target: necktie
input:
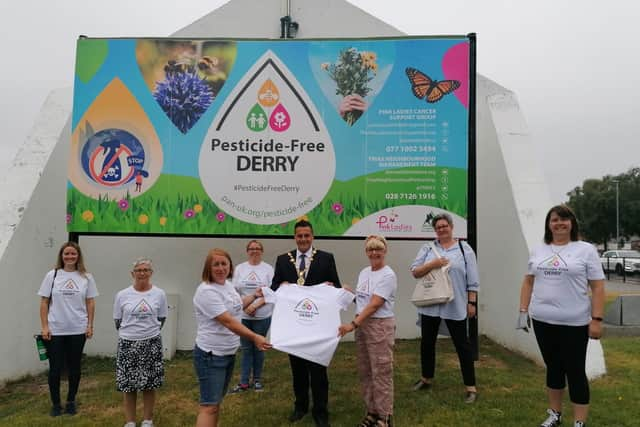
(302, 263)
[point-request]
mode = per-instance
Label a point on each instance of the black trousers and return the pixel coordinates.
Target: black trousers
(564, 350)
(64, 349)
(306, 373)
(458, 331)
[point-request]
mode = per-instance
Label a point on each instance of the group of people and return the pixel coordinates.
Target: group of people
(232, 311)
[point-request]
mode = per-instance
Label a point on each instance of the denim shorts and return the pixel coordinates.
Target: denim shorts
(214, 374)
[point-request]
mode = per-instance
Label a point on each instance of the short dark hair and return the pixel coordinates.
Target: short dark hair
(303, 223)
(440, 216)
(564, 212)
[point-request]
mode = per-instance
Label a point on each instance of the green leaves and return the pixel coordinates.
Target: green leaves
(594, 203)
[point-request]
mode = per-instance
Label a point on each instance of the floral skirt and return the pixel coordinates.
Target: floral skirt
(139, 364)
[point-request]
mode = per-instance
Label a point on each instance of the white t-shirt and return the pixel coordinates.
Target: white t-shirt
(68, 309)
(560, 288)
(305, 320)
(210, 301)
(139, 312)
(247, 278)
(383, 283)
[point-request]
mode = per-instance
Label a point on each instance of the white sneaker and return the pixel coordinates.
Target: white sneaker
(147, 423)
(130, 424)
(553, 420)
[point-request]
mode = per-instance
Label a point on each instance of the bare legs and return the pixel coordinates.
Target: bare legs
(148, 400)
(580, 412)
(208, 416)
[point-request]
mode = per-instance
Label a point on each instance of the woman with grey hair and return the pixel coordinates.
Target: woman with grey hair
(463, 271)
(139, 312)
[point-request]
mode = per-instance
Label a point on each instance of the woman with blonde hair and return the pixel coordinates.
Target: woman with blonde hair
(67, 309)
(375, 327)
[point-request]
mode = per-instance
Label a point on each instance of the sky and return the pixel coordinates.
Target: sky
(572, 64)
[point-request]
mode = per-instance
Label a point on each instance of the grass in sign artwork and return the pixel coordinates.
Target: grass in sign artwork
(180, 205)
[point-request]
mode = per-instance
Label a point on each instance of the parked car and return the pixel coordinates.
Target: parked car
(612, 261)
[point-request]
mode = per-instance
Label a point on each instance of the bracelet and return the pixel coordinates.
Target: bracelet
(355, 325)
(523, 310)
(597, 319)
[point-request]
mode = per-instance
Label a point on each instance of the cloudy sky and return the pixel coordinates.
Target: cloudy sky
(573, 65)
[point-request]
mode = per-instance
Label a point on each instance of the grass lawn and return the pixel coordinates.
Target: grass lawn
(511, 392)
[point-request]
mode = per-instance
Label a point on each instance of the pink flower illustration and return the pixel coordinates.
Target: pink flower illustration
(69, 217)
(220, 216)
(123, 204)
(337, 208)
(189, 213)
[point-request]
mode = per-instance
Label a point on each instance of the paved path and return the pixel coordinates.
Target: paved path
(618, 286)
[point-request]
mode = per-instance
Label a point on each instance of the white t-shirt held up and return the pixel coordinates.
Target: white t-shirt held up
(68, 309)
(305, 320)
(139, 312)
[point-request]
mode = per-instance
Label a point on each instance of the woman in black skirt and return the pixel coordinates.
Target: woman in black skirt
(139, 312)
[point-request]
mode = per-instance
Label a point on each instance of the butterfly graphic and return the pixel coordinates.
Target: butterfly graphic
(431, 90)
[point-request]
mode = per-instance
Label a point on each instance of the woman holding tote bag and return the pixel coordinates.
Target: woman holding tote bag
(463, 271)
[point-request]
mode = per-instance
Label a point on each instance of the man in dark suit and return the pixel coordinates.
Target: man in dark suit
(307, 266)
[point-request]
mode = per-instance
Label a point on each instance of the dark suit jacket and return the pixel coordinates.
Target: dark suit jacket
(322, 269)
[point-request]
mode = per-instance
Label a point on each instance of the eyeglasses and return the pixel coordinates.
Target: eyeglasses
(442, 227)
(254, 249)
(375, 249)
(142, 270)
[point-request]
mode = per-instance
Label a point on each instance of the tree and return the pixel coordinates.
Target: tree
(595, 206)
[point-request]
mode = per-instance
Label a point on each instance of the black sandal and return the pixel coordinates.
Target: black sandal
(370, 420)
(383, 422)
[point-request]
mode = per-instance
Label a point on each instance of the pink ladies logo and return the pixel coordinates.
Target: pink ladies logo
(391, 224)
(307, 310)
(268, 105)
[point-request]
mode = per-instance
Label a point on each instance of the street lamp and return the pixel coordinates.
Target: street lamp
(617, 183)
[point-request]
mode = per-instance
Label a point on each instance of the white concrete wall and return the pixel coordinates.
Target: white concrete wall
(512, 203)
(512, 200)
(31, 230)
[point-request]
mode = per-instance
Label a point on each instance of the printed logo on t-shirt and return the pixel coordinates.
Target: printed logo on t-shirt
(69, 288)
(252, 278)
(363, 288)
(553, 267)
(143, 310)
(306, 310)
(251, 281)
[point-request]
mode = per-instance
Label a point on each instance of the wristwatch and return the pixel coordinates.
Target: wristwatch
(597, 319)
(473, 303)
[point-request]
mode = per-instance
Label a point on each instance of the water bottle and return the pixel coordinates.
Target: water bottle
(42, 350)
